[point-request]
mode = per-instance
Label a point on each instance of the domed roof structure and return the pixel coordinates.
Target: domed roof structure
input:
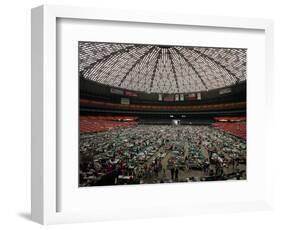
(161, 69)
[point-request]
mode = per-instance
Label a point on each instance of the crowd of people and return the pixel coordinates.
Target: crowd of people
(144, 154)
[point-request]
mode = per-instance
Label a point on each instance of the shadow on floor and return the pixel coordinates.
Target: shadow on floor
(25, 215)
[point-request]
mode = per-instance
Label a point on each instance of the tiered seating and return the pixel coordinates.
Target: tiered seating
(101, 123)
(231, 119)
(235, 128)
(108, 105)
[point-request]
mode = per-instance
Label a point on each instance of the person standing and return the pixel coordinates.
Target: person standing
(163, 172)
(176, 174)
(206, 167)
(172, 173)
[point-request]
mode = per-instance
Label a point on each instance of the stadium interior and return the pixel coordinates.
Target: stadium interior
(161, 114)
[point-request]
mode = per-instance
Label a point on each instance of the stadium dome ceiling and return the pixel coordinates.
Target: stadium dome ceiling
(161, 69)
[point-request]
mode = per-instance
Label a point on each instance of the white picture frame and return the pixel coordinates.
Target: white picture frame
(45, 165)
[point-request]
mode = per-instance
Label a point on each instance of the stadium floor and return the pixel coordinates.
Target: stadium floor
(153, 153)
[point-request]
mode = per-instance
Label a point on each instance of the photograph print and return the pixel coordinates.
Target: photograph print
(151, 114)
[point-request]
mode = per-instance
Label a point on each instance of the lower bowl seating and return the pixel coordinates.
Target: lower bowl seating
(90, 124)
(235, 128)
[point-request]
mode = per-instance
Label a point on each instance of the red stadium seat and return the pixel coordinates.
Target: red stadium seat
(102, 123)
(234, 128)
